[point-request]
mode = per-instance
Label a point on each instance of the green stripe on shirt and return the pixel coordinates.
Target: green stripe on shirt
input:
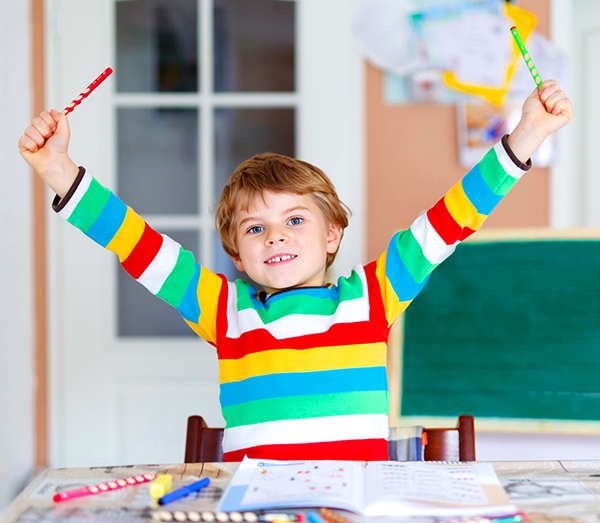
(411, 254)
(494, 174)
(301, 407)
(90, 206)
(174, 287)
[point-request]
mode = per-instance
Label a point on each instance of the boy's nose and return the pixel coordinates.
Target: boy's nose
(277, 237)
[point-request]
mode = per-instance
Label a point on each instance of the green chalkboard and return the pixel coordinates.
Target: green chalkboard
(507, 329)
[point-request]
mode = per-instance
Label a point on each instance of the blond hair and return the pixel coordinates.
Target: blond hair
(278, 174)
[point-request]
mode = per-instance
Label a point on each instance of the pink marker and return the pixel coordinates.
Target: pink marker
(107, 72)
(103, 487)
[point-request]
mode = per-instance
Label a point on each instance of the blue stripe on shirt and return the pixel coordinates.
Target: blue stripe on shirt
(303, 383)
(109, 221)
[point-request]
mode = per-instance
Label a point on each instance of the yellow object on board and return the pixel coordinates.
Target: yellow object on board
(525, 22)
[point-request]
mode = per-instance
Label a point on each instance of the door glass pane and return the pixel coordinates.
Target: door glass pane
(157, 46)
(224, 265)
(157, 160)
(254, 45)
(242, 133)
(142, 314)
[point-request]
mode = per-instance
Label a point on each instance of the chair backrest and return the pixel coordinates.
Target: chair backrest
(204, 444)
(454, 444)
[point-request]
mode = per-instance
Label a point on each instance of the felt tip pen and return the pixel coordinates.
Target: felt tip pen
(526, 56)
(314, 517)
(103, 487)
(184, 491)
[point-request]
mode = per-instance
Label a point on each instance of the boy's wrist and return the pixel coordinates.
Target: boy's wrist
(525, 140)
(524, 166)
(60, 175)
(60, 202)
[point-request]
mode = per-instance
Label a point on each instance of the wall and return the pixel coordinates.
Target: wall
(16, 352)
(411, 161)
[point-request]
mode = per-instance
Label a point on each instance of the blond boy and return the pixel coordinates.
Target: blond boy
(302, 362)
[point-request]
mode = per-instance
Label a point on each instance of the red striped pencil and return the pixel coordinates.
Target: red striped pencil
(103, 487)
(86, 92)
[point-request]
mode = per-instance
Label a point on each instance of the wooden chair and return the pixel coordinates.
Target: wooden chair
(204, 444)
(456, 444)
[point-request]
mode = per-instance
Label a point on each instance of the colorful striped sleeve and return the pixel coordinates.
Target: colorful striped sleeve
(156, 261)
(404, 268)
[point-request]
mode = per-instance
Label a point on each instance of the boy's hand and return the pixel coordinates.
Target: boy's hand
(44, 146)
(545, 111)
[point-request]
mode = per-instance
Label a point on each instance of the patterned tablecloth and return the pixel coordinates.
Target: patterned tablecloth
(549, 491)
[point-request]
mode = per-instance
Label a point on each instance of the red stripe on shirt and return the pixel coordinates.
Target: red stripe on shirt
(222, 310)
(351, 450)
(143, 253)
(376, 307)
(445, 225)
(260, 339)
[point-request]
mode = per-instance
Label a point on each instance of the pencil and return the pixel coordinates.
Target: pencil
(86, 92)
(103, 487)
(527, 57)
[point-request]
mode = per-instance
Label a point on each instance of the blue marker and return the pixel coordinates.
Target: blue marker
(314, 517)
(184, 491)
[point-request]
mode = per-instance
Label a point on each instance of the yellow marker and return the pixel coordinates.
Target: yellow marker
(161, 485)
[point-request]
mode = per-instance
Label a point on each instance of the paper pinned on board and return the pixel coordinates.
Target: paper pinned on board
(381, 28)
(485, 50)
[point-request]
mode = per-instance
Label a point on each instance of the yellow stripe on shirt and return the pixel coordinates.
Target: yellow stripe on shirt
(393, 308)
(308, 360)
(461, 208)
(128, 235)
(209, 290)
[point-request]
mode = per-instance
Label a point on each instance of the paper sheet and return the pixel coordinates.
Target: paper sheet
(381, 28)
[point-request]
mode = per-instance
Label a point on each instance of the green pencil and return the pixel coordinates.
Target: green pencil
(532, 69)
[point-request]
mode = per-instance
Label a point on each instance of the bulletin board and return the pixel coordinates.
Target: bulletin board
(508, 330)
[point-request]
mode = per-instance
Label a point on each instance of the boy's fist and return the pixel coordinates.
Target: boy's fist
(44, 146)
(545, 111)
(548, 108)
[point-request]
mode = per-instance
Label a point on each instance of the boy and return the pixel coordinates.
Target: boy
(302, 364)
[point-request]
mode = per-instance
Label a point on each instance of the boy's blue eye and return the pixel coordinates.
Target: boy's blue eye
(296, 221)
(256, 229)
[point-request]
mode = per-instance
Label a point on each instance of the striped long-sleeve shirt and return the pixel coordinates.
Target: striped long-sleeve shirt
(302, 373)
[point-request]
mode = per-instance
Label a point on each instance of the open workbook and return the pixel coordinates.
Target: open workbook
(382, 488)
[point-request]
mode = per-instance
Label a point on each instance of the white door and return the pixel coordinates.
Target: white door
(576, 177)
(586, 61)
(199, 85)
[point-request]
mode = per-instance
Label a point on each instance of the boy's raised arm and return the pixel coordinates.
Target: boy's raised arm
(545, 111)
(44, 146)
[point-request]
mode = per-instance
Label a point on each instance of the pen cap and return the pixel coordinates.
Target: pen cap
(161, 485)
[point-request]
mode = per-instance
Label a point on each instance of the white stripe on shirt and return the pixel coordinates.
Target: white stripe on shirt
(434, 248)
(312, 430)
(83, 186)
(161, 266)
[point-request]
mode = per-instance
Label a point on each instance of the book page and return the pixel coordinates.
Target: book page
(273, 484)
(413, 488)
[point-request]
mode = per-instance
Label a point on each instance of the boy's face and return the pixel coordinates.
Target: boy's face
(284, 240)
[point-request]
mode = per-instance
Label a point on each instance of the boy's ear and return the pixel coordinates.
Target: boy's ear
(334, 237)
(237, 261)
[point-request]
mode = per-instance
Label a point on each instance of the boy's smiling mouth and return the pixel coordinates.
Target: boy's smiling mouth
(280, 258)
